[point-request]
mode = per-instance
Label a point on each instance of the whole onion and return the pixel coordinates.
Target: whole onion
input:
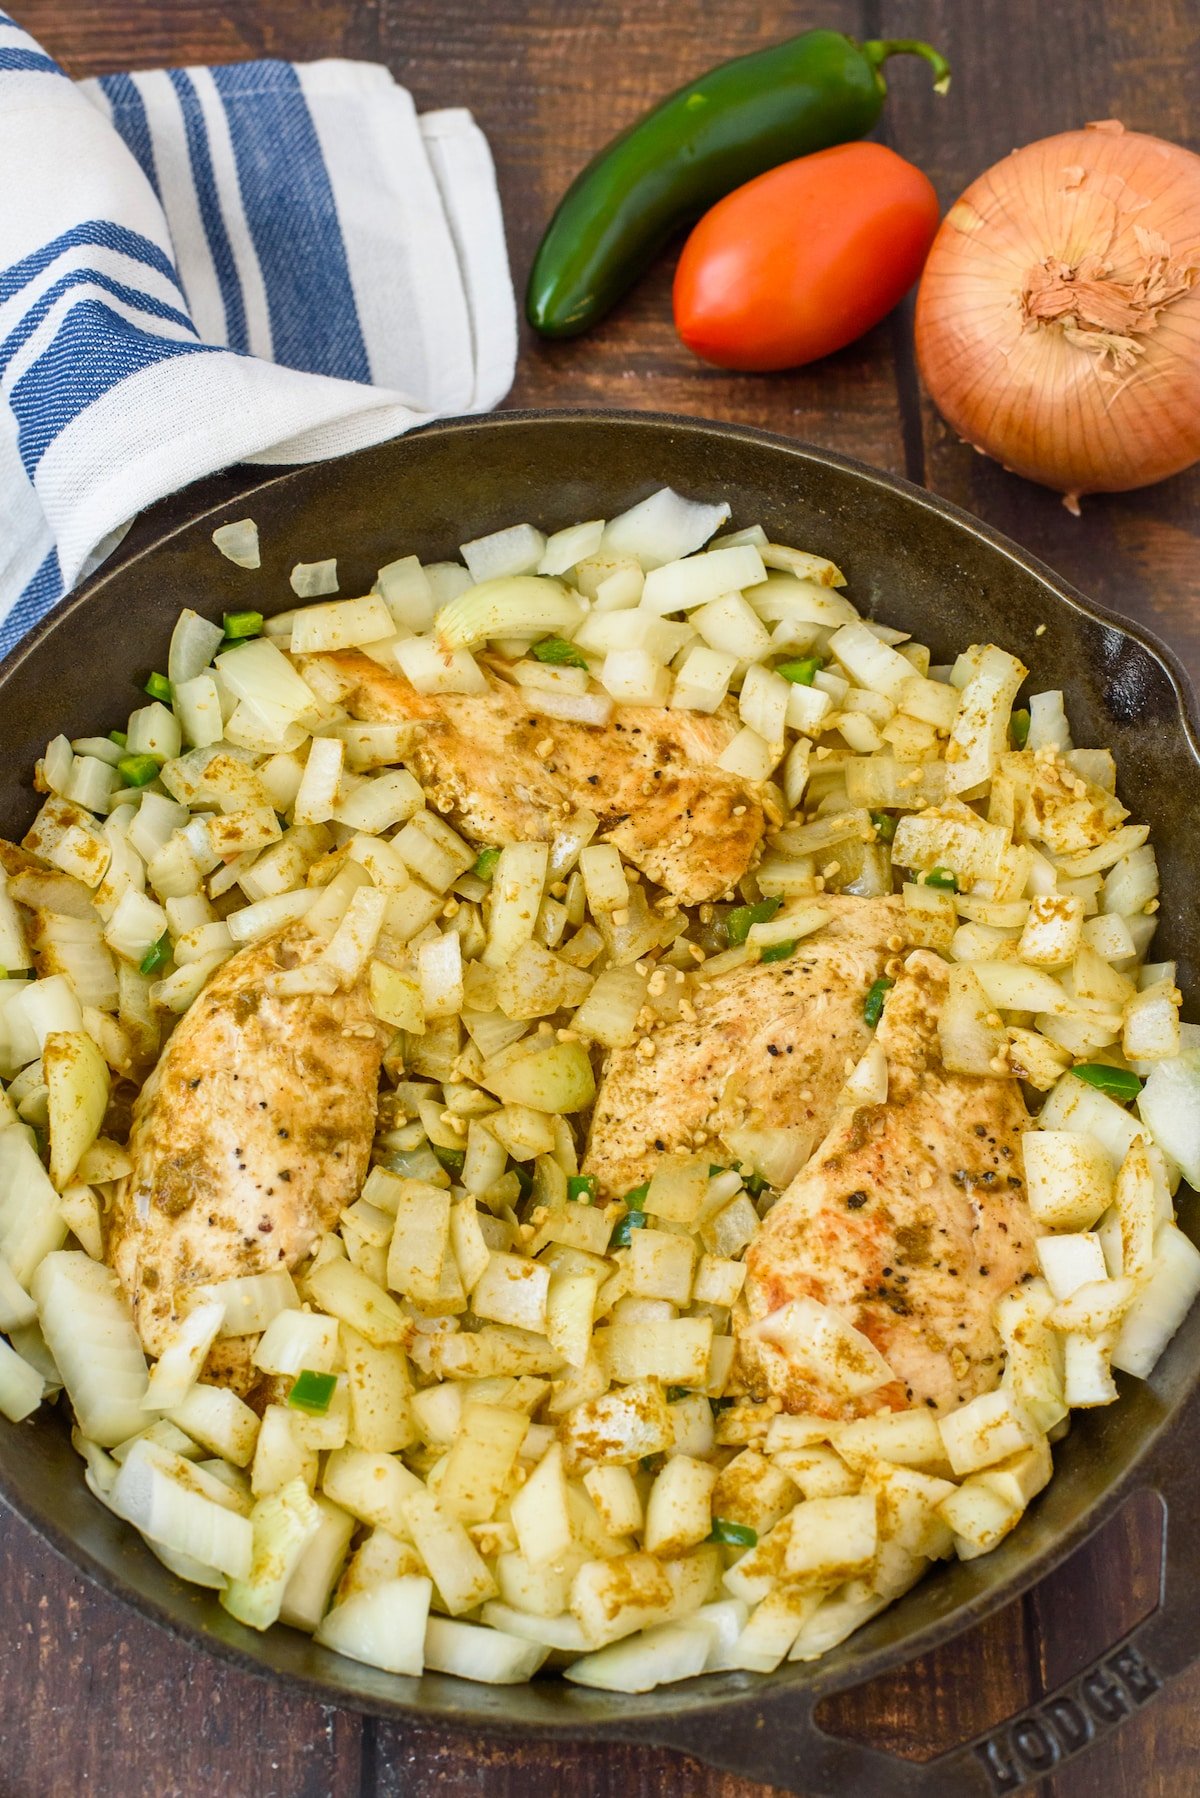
(1058, 317)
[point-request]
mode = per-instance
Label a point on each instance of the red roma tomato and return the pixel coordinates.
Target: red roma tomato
(804, 258)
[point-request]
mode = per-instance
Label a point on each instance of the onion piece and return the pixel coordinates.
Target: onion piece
(171, 1503)
(527, 605)
(663, 527)
(1169, 1104)
(238, 543)
(89, 1330)
(178, 1367)
(194, 643)
(383, 1626)
(309, 580)
(515, 550)
(21, 1386)
(819, 1342)
(1058, 318)
(31, 1224)
(567, 547)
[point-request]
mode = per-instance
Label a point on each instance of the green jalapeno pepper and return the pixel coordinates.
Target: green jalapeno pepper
(742, 118)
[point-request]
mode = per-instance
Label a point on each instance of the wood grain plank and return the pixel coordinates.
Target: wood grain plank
(416, 1763)
(96, 1700)
(91, 38)
(1101, 1593)
(932, 1704)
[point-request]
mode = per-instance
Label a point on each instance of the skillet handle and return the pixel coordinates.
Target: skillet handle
(781, 1744)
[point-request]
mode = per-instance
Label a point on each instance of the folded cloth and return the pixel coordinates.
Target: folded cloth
(269, 262)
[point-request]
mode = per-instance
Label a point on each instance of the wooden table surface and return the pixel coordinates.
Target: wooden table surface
(97, 1701)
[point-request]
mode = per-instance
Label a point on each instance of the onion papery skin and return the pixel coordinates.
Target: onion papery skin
(1100, 201)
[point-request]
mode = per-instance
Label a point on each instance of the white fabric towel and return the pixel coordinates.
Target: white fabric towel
(269, 262)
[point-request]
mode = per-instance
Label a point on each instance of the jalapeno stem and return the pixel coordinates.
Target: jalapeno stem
(877, 50)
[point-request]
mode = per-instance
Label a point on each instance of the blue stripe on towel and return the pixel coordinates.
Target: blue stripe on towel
(219, 246)
(293, 220)
(41, 593)
(93, 350)
(27, 62)
(129, 118)
(86, 277)
(100, 232)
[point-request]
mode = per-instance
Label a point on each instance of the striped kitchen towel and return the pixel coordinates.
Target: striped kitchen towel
(263, 263)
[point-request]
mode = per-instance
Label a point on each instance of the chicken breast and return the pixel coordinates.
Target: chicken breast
(251, 1135)
(768, 1045)
(504, 773)
(910, 1221)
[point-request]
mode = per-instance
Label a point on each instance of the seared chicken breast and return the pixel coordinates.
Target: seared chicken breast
(910, 1221)
(249, 1138)
(504, 773)
(768, 1042)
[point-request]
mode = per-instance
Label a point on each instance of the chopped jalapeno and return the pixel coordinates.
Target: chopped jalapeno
(138, 770)
(451, 1159)
(755, 1185)
(737, 924)
(779, 951)
(945, 878)
(118, 737)
(312, 1392)
(885, 826)
(1119, 1083)
(1018, 729)
(240, 625)
(157, 954)
(801, 672)
(715, 1168)
(159, 687)
(485, 864)
(559, 653)
(873, 1003)
(622, 1235)
(581, 1187)
(733, 1535)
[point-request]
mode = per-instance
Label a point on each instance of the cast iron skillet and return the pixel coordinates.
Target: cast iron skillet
(920, 565)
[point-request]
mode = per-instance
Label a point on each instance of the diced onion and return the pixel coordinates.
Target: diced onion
(1161, 1305)
(570, 546)
(87, 1324)
(194, 643)
(308, 580)
(341, 624)
(179, 1364)
(516, 605)
(663, 527)
(385, 1626)
(1169, 1105)
(434, 667)
(238, 542)
(698, 580)
(517, 549)
(818, 1340)
(21, 1386)
(157, 1494)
